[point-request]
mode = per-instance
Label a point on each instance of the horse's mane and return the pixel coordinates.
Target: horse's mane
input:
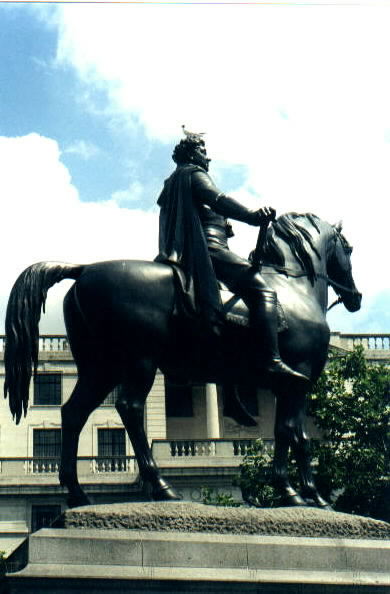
(297, 237)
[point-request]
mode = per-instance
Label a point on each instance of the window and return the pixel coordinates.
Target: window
(42, 516)
(46, 450)
(178, 400)
(112, 397)
(48, 388)
(111, 442)
(111, 450)
(47, 443)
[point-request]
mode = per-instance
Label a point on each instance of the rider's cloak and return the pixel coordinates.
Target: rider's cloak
(182, 244)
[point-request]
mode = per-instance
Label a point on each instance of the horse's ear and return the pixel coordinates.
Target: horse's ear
(338, 226)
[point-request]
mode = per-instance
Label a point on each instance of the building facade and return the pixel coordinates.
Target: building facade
(194, 443)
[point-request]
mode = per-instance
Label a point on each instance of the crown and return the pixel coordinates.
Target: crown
(193, 136)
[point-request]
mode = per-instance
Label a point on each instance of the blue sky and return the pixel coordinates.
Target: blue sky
(295, 100)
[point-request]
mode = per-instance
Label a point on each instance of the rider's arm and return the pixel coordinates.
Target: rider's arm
(206, 192)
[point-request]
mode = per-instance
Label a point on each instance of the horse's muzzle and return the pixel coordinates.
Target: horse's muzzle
(353, 301)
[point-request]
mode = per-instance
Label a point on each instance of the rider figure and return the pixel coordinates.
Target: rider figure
(193, 237)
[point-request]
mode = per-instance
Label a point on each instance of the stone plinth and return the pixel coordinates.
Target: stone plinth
(186, 547)
(196, 517)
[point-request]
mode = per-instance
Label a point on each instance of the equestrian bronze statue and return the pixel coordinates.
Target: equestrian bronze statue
(125, 319)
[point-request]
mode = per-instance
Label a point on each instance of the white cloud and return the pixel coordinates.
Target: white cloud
(85, 150)
(133, 193)
(300, 95)
(44, 219)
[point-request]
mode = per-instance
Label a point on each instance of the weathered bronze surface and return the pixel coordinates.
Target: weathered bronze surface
(126, 318)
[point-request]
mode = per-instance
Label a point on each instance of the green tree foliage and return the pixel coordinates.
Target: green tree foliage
(211, 497)
(255, 477)
(351, 405)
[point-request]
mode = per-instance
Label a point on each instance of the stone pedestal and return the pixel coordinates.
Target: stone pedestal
(185, 547)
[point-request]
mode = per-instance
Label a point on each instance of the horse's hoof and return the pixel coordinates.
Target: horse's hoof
(322, 504)
(77, 501)
(315, 500)
(166, 494)
(293, 500)
(326, 507)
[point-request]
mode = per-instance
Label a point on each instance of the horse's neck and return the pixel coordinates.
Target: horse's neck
(318, 288)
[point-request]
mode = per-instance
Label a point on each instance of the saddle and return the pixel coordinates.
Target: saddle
(233, 307)
(236, 312)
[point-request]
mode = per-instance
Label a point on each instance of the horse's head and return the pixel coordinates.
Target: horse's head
(339, 270)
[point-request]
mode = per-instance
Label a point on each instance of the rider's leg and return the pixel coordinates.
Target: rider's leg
(262, 304)
(241, 278)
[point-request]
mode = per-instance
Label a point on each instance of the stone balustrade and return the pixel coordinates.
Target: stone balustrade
(370, 341)
(54, 343)
(12, 467)
(126, 464)
(373, 343)
(188, 449)
(58, 343)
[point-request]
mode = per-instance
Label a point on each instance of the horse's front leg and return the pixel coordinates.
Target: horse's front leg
(284, 435)
(290, 417)
(301, 449)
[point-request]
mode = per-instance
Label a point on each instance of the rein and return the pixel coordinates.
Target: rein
(293, 274)
(258, 263)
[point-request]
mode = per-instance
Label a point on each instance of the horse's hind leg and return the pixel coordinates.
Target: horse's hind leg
(91, 389)
(130, 405)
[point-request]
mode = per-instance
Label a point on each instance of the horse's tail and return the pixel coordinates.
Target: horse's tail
(27, 299)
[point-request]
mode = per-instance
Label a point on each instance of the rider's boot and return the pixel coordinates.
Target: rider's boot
(264, 322)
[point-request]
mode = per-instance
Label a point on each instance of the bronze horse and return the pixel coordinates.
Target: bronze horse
(122, 325)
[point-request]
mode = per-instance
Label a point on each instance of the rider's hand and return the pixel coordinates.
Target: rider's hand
(267, 212)
(263, 215)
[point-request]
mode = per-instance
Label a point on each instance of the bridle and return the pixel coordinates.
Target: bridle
(294, 274)
(259, 264)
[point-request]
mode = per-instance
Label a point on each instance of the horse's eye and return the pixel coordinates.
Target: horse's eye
(349, 250)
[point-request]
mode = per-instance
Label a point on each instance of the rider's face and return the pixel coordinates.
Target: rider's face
(202, 155)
